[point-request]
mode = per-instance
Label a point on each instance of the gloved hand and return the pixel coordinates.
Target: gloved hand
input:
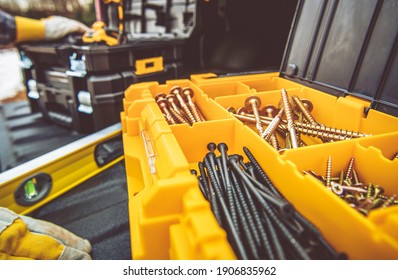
(56, 27)
(23, 237)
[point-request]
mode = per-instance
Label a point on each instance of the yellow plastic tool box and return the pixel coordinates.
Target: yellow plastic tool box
(340, 56)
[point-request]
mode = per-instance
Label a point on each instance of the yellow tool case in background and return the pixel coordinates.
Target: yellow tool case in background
(342, 57)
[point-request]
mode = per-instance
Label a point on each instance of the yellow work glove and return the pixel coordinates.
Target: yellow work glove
(51, 28)
(23, 238)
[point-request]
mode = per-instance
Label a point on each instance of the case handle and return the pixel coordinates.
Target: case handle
(149, 65)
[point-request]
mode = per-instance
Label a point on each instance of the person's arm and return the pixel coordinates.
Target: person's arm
(20, 29)
(7, 28)
(28, 29)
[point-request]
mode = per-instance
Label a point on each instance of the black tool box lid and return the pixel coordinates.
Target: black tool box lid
(346, 47)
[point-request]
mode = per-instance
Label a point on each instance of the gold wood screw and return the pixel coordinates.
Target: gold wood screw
(305, 109)
(349, 168)
(172, 99)
(162, 103)
(268, 132)
(271, 111)
(252, 104)
(328, 172)
(389, 201)
(160, 95)
(188, 93)
(177, 92)
(289, 117)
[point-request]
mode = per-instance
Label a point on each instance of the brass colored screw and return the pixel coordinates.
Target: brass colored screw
(289, 117)
(271, 111)
(162, 103)
(329, 132)
(188, 93)
(177, 116)
(328, 172)
(341, 177)
(177, 92)
(172, 99)
(231, 110)
(302, 143)
(268, 132)
(349, 168)
(252, 104)
(377, 202)
(305, 109)
(389, 201)
(319, 133)
(351, 199)
(365, 206)
(174, 110)
(160, 95)
(355, 177)
(370, 191)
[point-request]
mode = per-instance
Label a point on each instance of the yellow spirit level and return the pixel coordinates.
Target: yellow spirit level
(36, 182)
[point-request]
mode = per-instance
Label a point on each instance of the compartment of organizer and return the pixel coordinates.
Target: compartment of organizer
(343, 117)
(240, 84)
(152, 90)
(158, 175)
(361, 233)
(186, 234)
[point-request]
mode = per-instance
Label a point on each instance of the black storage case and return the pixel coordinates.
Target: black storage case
(346, 48)
(81, 86)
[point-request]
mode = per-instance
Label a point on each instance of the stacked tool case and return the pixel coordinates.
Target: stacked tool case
(342, 56)
(81, 86)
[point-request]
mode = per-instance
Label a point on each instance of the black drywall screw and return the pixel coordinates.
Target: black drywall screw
(249, 226)
(263, 235)
(205, 179)
(267, 182)
(286, 233)
(309, 226)
(202, 187)
(211, 158)
(229, 223)
(283, 207)
(223, 148)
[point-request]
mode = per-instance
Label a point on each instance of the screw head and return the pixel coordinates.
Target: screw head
(187, 91)
(308, 104)
(211, 146)
(171, 98)
(241, 111)
(251, 100)
(194, 172)
(160, 95)
(231, 110)
(222, 146)
(269, 109)
(175, 90)
(162, 102)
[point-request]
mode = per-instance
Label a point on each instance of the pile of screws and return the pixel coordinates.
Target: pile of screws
(178, 107)
(260, 223)
(363, 197)
(298, 120)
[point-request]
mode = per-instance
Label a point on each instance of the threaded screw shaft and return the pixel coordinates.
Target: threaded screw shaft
(177, 92)
(188, 93)
(304, 110)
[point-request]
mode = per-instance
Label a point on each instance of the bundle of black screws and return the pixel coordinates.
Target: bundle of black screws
(260, 223)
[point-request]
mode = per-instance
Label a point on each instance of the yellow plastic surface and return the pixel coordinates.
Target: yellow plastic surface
(171, 220)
